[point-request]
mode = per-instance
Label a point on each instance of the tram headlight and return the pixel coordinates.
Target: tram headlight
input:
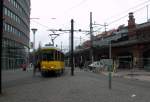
(52, 67)
(43, 67)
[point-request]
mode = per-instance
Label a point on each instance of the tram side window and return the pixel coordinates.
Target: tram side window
(62, 57)
(44, 57)
(57, 55)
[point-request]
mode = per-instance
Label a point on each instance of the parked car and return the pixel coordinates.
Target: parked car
(95, 65)
(101, 65)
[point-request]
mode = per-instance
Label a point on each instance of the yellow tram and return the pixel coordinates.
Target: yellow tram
(50, 59)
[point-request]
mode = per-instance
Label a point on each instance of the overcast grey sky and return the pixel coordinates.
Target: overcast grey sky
(55, 14)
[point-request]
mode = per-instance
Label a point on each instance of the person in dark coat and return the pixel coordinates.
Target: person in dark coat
(23, 66)
(36, 66)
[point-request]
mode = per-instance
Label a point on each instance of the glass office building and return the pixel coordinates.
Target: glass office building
(16, 30)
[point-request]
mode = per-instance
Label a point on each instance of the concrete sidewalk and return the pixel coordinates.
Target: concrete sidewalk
(134, 74)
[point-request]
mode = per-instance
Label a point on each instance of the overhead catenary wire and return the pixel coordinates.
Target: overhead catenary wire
(116, 20)
(112, 22)
(145, 3)
(40, 24)
(127, 11)
(138, 5)
(77, 5)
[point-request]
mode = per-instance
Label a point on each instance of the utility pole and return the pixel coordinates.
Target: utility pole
(1, 36)
(147, 12)
(72, 53)
(34, 31)
(91, 38)
(80, 40)
(105, 28)
(110, 66)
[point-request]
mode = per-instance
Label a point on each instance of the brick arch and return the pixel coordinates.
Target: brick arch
(125, 60)
(146, 50)
(146, 53)
(124, 53)
(146, 58)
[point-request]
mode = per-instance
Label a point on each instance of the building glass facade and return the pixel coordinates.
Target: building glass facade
(16, 30)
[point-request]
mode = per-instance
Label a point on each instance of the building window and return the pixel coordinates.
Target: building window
(5, 11)
(5, 27)
(16, 18)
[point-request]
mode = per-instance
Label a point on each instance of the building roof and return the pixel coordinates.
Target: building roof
(143, 25)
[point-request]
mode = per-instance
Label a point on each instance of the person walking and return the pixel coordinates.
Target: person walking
(36, 66)
(23, 66)
(34, 69)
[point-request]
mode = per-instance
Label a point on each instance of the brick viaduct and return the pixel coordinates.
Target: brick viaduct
(131, 50)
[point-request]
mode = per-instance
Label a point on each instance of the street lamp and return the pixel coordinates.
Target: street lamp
(34, 31)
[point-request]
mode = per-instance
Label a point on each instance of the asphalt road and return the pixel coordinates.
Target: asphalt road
(19, 86)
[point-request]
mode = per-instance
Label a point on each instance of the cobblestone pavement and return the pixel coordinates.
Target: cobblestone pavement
(19, 86)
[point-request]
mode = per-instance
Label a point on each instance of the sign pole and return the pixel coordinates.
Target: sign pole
(110, 67)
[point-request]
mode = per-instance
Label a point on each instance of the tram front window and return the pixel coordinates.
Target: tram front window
(47, 57)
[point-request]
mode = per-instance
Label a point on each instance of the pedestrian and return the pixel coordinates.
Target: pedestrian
(31, 65)
(81, 65)
(36, 66)
(23, 66)
(39, 66)
(34, 69)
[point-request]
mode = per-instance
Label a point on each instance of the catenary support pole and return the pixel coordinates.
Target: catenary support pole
(147, 12)
(72, 53)
(110, 67)
(91, 38)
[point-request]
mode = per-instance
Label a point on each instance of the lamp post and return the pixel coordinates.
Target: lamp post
(34, 31)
